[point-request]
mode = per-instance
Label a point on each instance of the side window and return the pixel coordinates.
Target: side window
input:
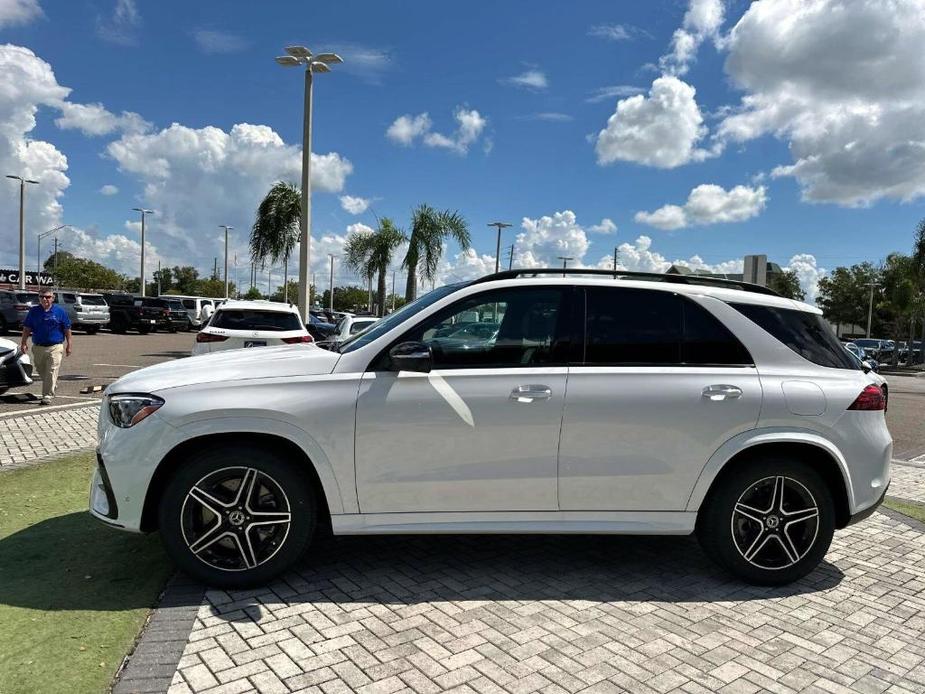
(5, 299)
(513, 327)
(189, 303)
(70, 299)
(707, 341)
(632, 327)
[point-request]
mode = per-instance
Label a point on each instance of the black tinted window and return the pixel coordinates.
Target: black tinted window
(707, 341)
(807, 334)
(501, 328)
(238, 319)
(632, 326)
(643, 327)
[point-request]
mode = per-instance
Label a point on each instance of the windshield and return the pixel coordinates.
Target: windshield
(247, 319)
(92, 300)
(176, 306)
(867, 343)
(381, 327)
(27, 297)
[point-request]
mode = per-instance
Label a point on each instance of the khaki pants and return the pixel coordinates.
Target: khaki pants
(47, 360)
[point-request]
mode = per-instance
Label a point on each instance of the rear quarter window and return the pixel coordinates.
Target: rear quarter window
(805, 333)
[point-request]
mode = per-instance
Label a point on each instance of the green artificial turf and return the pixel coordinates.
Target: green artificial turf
(73, 593)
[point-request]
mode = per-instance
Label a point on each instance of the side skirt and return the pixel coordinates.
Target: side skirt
(515, 523)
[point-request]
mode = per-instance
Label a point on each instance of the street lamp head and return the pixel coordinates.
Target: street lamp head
(298, 51)
(287, 61)
(143, 210)
(329, 58)
(319, 67)
(29, 180)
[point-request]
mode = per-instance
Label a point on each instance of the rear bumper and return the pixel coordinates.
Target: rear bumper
(867, 512)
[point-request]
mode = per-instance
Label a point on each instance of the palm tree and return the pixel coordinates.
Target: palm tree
(429, 229)
(276, 229)
(369, 254)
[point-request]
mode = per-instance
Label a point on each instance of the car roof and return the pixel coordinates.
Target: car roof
(258, 305)
(733, 293)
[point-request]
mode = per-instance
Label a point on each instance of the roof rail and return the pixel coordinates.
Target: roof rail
(625, 274)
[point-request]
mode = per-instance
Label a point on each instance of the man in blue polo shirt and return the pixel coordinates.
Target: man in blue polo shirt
(50, 329)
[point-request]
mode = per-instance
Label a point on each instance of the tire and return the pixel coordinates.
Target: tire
(144, 331)
(224, 558)
(4, 328)
(92, 330)
(744, 527)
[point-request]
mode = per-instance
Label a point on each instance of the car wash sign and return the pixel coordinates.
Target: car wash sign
(12, 277)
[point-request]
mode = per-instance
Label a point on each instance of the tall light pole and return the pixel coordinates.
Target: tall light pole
(226, 228)
(500, 226)
(143, 213)
(565, 259)
(300, 55)
(22, 226)
(870, 306)
(331, 297)
(38, 251)
(616, 250)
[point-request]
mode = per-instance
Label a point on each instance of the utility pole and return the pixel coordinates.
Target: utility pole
(331, 297)
(499, 226)
(510, 258)
(22, 227)
(393, 290)
(143, 212)
(55, 278)
(226, 228)
(565, 259)
(237, 287)
(311, 289)
(269, 269)
(159, 279)
(870, 306)
(615, 251)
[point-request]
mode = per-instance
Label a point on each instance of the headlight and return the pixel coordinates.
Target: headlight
(126, 410)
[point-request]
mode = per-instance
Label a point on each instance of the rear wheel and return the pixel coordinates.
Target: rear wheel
(144, 330)
(769, 522)
(236, 516)
(92, 330)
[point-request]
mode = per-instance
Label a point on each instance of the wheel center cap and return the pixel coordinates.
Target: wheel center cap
(236, 518)
(772, 522)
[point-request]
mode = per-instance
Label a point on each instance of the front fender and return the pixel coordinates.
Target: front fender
(758, 437)
(231, 424)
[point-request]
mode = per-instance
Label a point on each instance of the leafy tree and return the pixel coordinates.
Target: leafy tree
(187, 279)
(214, 288)
(900, 292)
(253, 293)
(81, 273)
(429, 230)
(787, 284)
(370, 254)
(345, 298)
(845, 293)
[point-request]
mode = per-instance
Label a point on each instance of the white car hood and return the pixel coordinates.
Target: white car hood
(230, 365)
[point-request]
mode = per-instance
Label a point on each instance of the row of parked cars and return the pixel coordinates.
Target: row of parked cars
(883, 351)
(118, 311)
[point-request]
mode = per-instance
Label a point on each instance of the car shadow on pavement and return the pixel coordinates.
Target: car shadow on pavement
(73, 562)
(171, 354)
(526, 567)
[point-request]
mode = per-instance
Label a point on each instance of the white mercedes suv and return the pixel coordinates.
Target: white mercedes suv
(600, 403)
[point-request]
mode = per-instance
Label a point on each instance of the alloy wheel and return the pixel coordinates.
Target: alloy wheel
(775, 522)
(235, 518)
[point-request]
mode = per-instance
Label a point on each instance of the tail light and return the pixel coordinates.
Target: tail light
(297, 340)
(209, 337)
(871, 398)
(165, 311)
(22, 307)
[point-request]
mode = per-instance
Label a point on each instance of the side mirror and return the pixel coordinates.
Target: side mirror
(867, 368)
(412, 356)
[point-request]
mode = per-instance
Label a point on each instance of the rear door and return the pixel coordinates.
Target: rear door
(660, 385)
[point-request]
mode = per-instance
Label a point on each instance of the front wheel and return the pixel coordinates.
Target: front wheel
(769, 522)
(236, 516)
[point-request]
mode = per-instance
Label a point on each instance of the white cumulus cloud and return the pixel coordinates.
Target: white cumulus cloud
(708, 204)
(353, 204)
(17, 12)
(662, 129)
(702, 20)
(605, 227)
(213, 41)
(109, 189)
(94, 119)
(407, 129)
(843, 83)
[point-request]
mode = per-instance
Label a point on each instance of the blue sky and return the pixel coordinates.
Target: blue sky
(701, 130)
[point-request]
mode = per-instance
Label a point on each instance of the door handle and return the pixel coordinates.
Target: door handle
(722, 392)
(529, 393)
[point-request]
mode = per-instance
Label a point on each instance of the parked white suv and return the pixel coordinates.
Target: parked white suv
(643, 404)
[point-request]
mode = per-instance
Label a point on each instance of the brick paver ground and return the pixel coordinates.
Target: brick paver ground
(26, 439)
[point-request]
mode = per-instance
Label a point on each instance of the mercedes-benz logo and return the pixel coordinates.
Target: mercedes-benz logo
(772, 522)
(236, 518)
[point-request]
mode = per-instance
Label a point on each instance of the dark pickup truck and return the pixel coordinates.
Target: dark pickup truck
(125, 315)
(172, 316)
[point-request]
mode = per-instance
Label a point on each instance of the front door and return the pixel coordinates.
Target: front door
(480, 432)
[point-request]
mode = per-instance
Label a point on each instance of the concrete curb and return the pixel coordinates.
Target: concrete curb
(150, 667)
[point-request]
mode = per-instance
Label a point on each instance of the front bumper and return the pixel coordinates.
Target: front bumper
(16, 371)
